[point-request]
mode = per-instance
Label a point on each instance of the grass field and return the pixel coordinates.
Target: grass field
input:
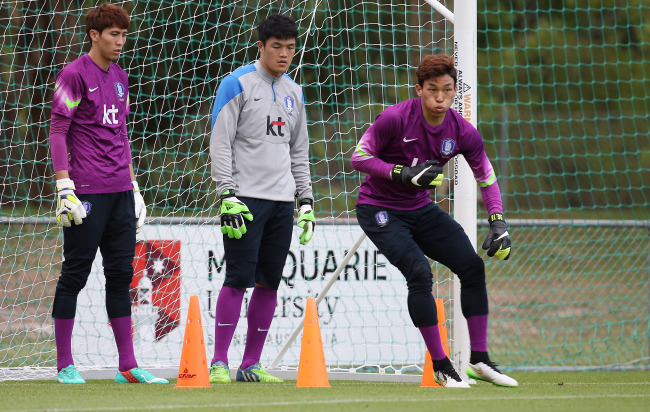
(541, 391)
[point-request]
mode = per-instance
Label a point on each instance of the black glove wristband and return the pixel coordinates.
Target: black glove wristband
(226, 194)
(306, 201)
(496, 216)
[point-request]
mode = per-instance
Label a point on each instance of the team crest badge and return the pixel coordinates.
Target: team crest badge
(448, 146)
(289, 104)
(382, 218)
(87, 205)
(119, 88)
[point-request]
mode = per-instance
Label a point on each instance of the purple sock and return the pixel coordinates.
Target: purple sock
(227, 316)
(63, 339)
(477, 326)
(124, 340)
(431, 335)
(260, 316)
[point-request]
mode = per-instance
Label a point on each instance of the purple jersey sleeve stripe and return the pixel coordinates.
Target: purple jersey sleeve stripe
(490, 181)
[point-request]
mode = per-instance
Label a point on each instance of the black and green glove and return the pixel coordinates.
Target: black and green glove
(426, 175)
(497, 243)
(306, 220)
(233, 213)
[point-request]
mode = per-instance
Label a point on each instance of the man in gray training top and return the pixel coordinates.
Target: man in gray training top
(260, 161)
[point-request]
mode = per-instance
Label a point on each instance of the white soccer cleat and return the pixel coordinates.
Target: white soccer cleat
(448, 378)
(489, 372)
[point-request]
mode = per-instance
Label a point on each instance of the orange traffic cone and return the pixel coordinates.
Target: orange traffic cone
(427, 374)
(193, 370)
(311, 370)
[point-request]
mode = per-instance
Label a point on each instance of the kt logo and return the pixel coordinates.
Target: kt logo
(269, 126)
(109, 115)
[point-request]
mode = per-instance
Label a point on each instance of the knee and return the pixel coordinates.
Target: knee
(472, 274)
(118, 281)
(420, 282)
(71, 284)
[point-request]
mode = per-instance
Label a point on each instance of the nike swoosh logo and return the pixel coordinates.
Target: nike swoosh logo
(257, 98)
(262, 330)
(479, 371)
(92, 90)
(225, 324)
(409, 140)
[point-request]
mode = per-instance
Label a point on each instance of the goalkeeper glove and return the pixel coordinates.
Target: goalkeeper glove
(233, 213)
(140, 208)
(497, 243)
(68, 206)
(423, 176)
(306, 220)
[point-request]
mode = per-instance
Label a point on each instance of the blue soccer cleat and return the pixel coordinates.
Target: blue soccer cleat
(137, 375)
(255, 373)
(69, 374)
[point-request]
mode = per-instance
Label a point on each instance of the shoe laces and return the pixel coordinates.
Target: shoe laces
(451, 372)
(493, 365)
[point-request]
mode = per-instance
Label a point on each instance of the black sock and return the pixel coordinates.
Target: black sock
(442, 364)
(477, 356)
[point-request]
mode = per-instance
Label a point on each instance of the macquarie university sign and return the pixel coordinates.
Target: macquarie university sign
(364, 318)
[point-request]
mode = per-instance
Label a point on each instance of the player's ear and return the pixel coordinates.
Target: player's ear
(418, 90)
(94, 35)
(260, 46)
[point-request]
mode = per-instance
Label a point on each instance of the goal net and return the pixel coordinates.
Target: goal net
(569, 157)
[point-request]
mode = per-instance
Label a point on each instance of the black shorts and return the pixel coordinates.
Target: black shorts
(406, 237)
(260, 255)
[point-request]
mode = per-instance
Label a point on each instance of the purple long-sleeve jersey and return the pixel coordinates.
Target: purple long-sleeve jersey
(401, 135)
(89, 110)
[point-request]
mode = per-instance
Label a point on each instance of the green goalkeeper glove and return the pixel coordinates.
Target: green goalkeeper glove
(306, 220)
(140, 208)
(497, 243)
(233, 213)
(423, 176)
(68, 206)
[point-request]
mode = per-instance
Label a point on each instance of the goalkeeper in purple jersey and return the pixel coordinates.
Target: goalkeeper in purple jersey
(99, 203)
(402, 154)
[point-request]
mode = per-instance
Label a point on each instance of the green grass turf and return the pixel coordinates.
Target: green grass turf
(542, 391)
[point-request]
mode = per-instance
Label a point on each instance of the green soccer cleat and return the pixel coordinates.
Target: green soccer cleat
(69, 374)
(255, 373)
(137, 375)
(219, 373)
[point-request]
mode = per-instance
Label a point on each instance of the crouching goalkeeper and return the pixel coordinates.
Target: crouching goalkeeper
(402, 154)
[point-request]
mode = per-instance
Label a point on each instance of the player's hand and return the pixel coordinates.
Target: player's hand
(423, 176)
(68, 206)
(497, 243)
(306, 220)
(140, 208)
(233, 213)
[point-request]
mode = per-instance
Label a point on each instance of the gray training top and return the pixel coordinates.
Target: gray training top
(259, 145)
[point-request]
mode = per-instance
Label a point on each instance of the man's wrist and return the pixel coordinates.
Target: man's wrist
(496, 216)
(226, 194)
(306, 201)
(396, 173)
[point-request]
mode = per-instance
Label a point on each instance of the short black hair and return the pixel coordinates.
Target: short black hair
(279, 26)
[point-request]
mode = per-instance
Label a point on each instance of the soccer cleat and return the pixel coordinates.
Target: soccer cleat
(255, 373)
(69, 374)
(488, 372)
(137, 375)
(448, 378)
(219, 373)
